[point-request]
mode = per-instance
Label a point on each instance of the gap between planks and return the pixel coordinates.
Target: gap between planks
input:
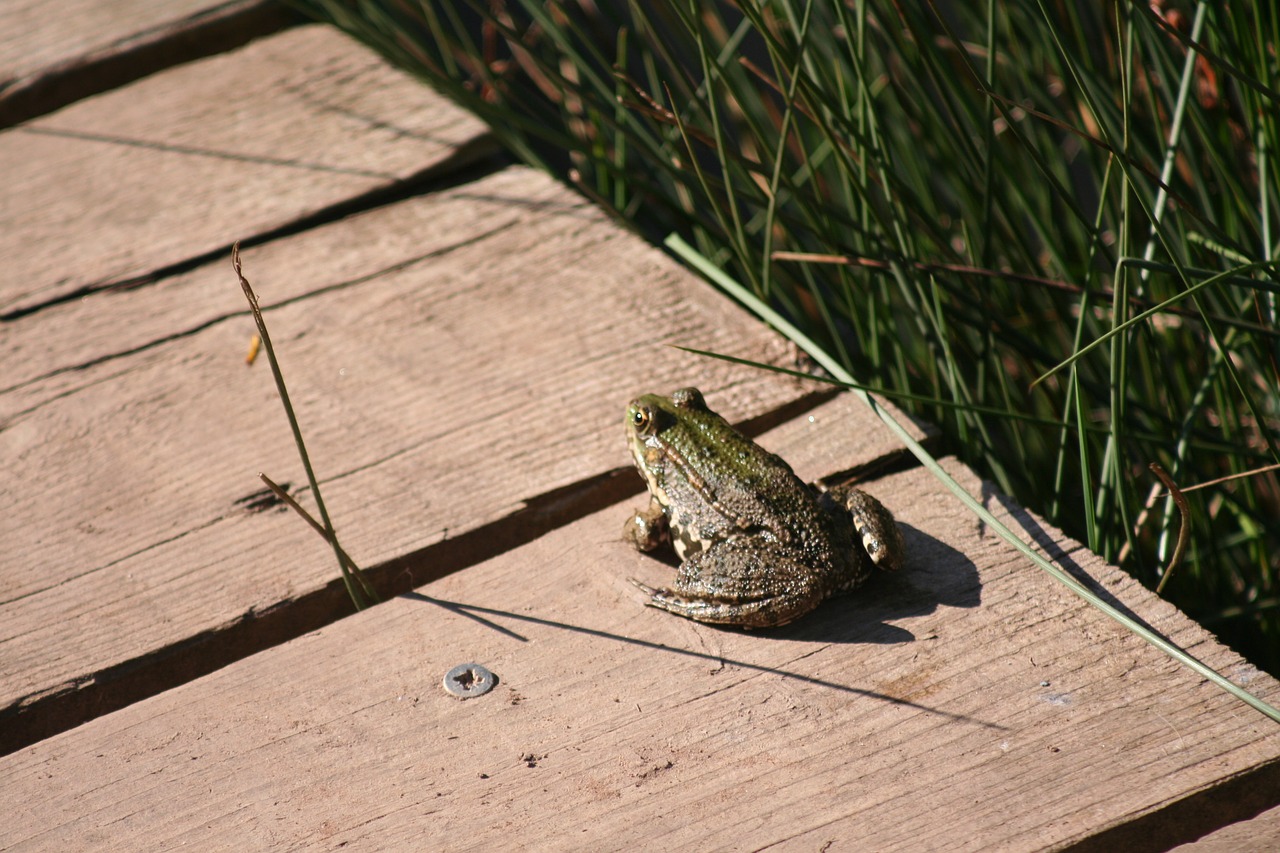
(103, 692)
(77, 64)
(178, 165)
(470, 161)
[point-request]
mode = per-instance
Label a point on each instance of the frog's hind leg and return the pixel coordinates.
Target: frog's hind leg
(880, 536)
(747, 581)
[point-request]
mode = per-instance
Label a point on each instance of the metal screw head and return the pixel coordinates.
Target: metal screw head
(468, 680)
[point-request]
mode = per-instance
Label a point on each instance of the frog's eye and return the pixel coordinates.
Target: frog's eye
(641, 418)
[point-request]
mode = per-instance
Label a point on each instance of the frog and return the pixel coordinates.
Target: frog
(758, 547)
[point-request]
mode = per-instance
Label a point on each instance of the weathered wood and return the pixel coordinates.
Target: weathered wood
(52, 57)
(177, 166)
(967, 703)
(459, 363)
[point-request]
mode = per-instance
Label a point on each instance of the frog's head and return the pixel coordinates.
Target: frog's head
(653, 415)
(655, 423)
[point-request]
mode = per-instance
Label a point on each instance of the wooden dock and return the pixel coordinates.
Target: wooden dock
(179, 663)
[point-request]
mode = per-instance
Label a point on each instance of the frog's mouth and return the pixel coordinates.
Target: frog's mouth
(639, 453)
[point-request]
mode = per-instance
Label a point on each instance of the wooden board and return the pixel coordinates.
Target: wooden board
(50, 57)
(967, 703)
(181, 164)
(459, 364)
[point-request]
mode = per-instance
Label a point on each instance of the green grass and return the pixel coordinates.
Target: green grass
(1047, 227)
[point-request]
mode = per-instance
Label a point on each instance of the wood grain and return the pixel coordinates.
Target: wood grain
(459, 363)
(967, 703)
(459, 357)
(181, 164)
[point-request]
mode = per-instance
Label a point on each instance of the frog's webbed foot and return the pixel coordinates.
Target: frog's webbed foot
(749, 582)
(647, 529)
(880, 535)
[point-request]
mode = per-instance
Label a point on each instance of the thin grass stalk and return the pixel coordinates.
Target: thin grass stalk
(358, 587)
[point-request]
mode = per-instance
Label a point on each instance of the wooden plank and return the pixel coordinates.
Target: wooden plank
(51, 58)
(459, 364)
(179, 165)
(967, 703)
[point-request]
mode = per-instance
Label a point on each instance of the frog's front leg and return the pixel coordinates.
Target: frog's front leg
(647, 529)
(746, 581)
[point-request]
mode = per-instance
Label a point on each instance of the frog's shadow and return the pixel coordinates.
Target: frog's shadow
(934, 574)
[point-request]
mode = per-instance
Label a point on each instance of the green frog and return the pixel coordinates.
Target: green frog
(758, 547)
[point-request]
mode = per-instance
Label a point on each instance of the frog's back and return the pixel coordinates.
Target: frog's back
(747, 482)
